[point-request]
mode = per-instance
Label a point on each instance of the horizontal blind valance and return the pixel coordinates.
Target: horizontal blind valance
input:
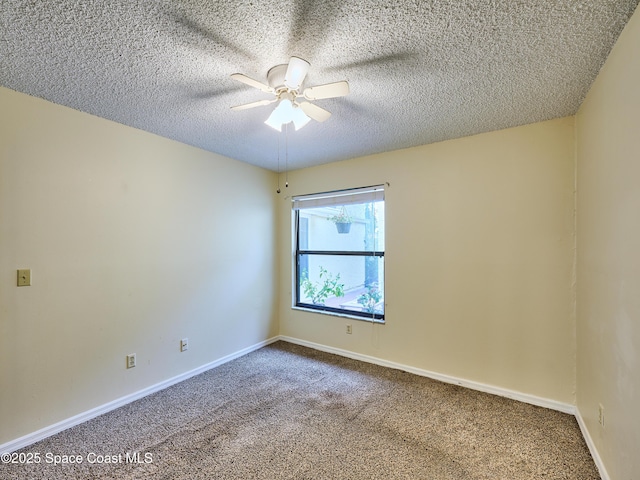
(342, 197)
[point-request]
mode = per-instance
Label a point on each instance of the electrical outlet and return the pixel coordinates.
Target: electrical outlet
(131, 360)
(184, 344)
(24, 278)
(601, 415)
(349, 330)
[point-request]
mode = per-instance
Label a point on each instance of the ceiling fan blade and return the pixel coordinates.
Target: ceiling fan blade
(330, 90)
(251, 82)
(315, 112)
(259, 103)
(296, 71)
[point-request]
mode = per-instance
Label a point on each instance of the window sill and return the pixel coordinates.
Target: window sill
(341, 315)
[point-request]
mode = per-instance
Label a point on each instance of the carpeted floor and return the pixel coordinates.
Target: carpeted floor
(289, 412)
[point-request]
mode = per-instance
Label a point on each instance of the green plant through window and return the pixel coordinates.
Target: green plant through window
(370, 299)
(328, 286)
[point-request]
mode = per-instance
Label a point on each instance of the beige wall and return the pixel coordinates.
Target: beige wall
(134, 242)
(608, 300)
(479, 259)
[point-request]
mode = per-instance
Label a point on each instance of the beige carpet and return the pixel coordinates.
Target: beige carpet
(288, 412)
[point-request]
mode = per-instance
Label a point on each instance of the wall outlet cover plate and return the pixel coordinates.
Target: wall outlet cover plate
(24, 278)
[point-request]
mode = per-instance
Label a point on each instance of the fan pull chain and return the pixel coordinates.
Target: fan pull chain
(286, 155)
(278, 190)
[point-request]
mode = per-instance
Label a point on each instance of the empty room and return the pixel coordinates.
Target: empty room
(324, 240)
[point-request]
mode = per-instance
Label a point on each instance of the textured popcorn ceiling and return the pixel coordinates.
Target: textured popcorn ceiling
(419, 71)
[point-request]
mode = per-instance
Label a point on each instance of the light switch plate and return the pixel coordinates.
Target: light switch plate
(24, 278)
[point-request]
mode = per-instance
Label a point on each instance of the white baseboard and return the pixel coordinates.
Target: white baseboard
(503, 392)
(604, 475)
(43, 433)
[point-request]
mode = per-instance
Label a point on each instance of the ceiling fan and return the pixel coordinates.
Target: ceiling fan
(285, 83)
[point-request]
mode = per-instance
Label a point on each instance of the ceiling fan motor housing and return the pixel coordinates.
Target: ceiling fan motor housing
(275, 76)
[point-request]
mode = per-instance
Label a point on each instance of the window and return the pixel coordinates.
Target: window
(339, 252)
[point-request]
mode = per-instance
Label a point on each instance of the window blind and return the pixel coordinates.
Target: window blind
(341, 197)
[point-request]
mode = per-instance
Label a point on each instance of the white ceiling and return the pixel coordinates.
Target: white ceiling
(419, 71)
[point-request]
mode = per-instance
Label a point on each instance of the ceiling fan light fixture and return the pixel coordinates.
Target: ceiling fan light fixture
(281, 114)
(284, 110)
(296, 71)
(287, 112)
(273, 123)
(300, 119)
